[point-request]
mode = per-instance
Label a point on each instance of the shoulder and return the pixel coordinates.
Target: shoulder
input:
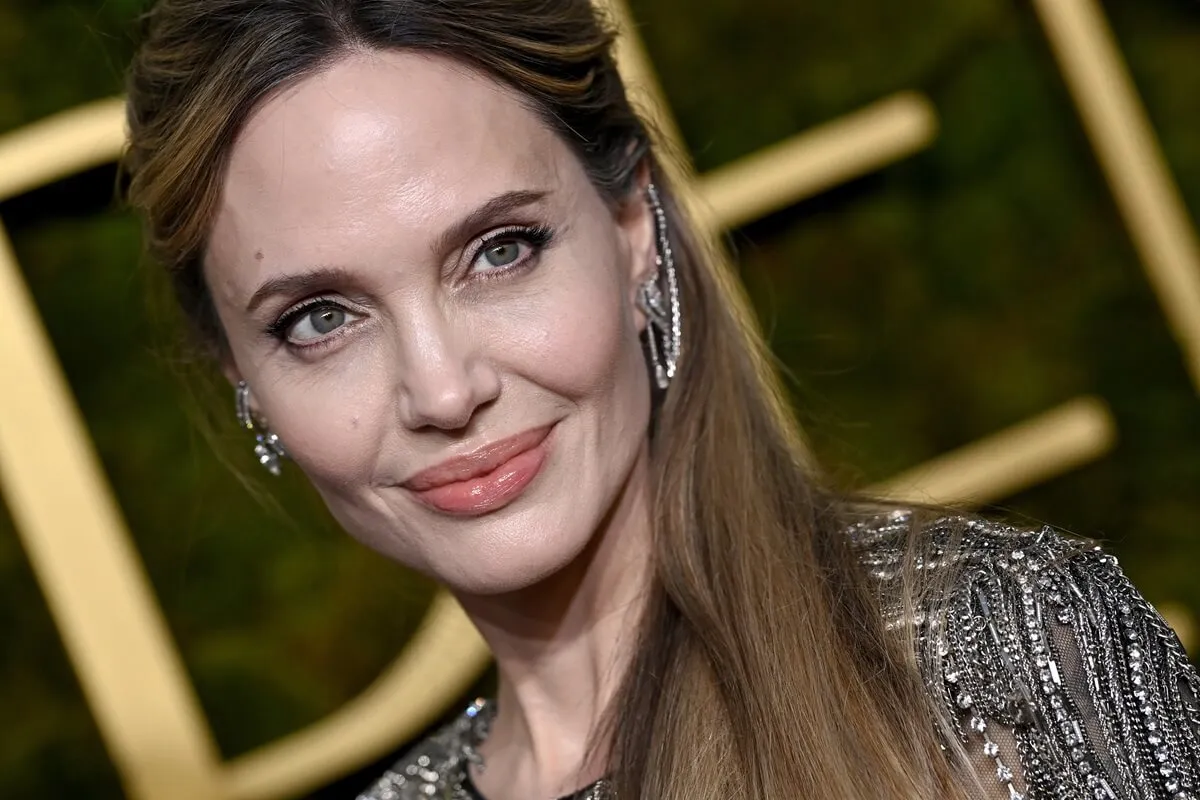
(1042, 656)
(929, 558)
(435, 766)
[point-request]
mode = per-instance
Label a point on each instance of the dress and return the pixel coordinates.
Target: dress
(1044, 662)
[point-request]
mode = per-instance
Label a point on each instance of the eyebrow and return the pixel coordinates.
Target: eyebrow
(302, 283)
(487, 214)
(321, 277)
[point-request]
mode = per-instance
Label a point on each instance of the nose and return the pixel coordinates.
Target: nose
(444, 378)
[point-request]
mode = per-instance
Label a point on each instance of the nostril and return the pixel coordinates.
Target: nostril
(444, 387)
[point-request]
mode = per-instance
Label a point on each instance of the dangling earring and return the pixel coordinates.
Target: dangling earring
(658, 298)
(267, 446)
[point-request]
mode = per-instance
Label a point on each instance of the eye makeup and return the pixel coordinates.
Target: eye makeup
(535, 237)
(282, 328)
(532, 239)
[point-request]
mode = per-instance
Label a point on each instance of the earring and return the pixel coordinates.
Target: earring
(658, 298)
(267, 446)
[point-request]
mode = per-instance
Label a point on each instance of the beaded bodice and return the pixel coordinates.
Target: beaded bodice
(1046, 669)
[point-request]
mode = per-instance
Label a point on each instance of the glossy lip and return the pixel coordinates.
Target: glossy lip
(484, 480)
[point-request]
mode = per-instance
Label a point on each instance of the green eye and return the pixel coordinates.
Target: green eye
(318, 322)
(510, 249)
(325, 320)
(502, 254)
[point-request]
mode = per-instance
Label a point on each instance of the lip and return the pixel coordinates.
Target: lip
(484, 480)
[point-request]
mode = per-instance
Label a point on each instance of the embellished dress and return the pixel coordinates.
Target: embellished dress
(1041, 659)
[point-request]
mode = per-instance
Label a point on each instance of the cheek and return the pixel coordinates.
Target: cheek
(332, 420)
(579, 339)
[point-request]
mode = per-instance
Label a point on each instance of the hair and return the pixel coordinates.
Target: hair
(762, 667)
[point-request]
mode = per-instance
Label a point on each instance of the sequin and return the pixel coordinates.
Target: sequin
(1095, 690)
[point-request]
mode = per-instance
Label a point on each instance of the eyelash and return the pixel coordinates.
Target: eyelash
(280, 327)
(536, 236)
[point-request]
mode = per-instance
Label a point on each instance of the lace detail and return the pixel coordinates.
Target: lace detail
(1043, 663)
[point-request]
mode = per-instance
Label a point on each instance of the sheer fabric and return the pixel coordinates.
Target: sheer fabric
(1049, 668)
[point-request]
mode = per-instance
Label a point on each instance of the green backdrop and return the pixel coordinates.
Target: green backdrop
(941, 299)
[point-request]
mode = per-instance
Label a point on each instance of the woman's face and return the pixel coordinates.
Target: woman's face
(434, 309)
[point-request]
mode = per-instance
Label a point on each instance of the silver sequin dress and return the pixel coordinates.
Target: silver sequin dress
(1058, 679)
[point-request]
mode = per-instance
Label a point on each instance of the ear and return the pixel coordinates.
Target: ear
(229, 369)
(636, 223)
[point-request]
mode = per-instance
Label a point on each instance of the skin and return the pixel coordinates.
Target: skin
(349, 186)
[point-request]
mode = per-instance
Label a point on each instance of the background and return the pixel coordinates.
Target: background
(981, 282)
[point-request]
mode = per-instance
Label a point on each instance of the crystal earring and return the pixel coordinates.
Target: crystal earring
(658, 298)
(267, 446)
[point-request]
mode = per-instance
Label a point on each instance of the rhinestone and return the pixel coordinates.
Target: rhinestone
(991, 749)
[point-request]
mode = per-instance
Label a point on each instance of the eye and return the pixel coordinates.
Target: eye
(510, 249)
(500, 254)
(311, 323)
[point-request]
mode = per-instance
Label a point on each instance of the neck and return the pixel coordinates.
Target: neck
(561, 648)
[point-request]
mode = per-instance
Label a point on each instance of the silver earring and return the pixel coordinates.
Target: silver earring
(267, 446)
(658, 298)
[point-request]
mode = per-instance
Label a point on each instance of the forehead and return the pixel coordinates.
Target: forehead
(406, 138)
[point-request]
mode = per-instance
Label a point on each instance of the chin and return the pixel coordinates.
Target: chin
(515, 557)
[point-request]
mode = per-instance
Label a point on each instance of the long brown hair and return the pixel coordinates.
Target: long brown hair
(763, 669)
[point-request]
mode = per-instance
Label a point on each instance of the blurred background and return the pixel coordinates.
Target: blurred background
(982, 281)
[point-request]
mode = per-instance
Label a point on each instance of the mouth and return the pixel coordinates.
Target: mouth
(485, 480)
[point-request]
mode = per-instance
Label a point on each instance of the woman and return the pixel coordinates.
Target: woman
(432, 244)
